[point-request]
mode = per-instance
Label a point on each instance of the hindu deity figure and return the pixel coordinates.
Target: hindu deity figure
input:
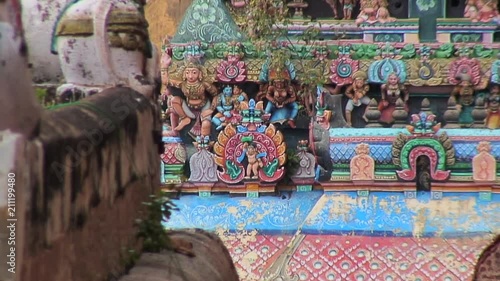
(348, 5)
(228, 105)
(191, 99)
(464, 94)
(481, 10)
(493, 109)
(254, 159)
(391, 92)
(282, 99)
(334, 4)
(357, 95)
(374, 11)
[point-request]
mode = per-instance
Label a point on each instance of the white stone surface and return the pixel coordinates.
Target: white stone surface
(39, 17)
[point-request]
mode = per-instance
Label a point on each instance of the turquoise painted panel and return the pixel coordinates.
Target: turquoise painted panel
(390, 213)
(495, 72)
(364, 132)
(379, 213)
(266, 213)
(344, 152)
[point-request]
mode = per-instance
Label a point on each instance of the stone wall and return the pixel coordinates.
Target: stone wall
(488, 265)
(80, 186)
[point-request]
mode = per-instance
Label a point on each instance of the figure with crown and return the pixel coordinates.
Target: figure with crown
(282, 103)
(357, 95)
(228, 105)
(192, 100)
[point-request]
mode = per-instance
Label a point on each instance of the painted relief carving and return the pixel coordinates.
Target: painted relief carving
(492, 120)
(306, 171)
(343, 67)
(261, 147)
(191, 99)
(387, 62)
(373, 11)
(323, 115)
(202, 165)
(228, 106)
(281, 96)
(423, 142)
(391, 92)
(464, 94)
(481, 10)
(495, 72)
(484, 165)
(233, 69)
(465, 66)
(357, 95)
(362, 165)
(424, 72)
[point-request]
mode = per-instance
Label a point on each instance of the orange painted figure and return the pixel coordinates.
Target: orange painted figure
(493, 108)
(193, 101)
(391, 92)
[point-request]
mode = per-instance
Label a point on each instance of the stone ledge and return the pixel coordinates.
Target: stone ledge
(86, 155)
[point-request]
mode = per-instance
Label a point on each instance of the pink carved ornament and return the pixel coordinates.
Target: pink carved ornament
(232, 70)
(342, 69)
(466, 66)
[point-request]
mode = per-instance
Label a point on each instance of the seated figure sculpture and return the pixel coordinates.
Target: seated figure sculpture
(373, 11)
(391, 92)
(464, 95)
(357, 95)
(191, 99)
(492, 120)
(282, 100)
(228, 105)
(481, 10)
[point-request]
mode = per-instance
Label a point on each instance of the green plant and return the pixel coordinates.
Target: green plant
(151, 230)
(267, 30)
(292, 163)
(41, 93)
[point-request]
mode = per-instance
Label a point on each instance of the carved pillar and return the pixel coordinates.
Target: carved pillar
(400, 114)
(484, 165)
(479, 113)
(425, 106)
(451, 114)
(305, 175)
(373, 114)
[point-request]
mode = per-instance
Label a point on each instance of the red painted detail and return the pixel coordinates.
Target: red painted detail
(416, 152)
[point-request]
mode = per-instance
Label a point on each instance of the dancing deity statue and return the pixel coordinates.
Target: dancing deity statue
(357, 95)
(228, 106)
(391, 92)
(191, 99)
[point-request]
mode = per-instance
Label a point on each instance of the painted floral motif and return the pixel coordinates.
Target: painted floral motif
(343, 67)
(426, 5)
(204, 13)
(207, 21)
(231, 70)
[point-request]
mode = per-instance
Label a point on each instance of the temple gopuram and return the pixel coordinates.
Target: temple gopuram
(336, 140)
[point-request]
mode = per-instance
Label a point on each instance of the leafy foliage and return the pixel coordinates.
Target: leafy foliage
(151, 230)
